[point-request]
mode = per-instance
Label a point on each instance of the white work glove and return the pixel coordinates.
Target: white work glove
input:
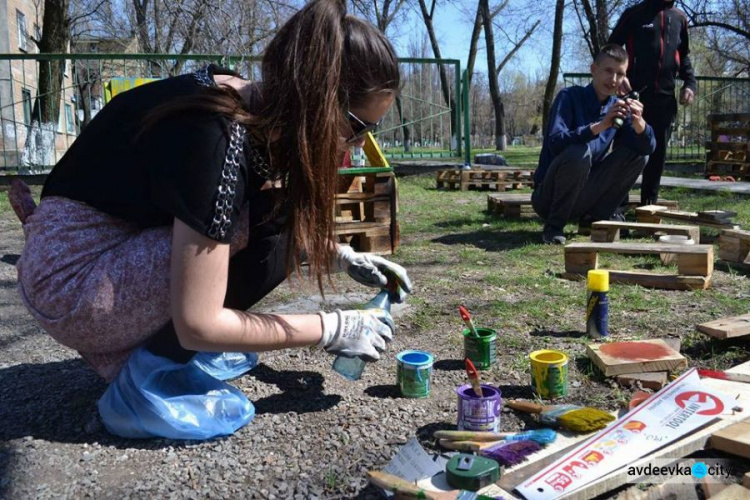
(373, 270)
(356, 333)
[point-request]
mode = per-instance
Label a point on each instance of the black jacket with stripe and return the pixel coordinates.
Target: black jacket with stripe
(655, 35)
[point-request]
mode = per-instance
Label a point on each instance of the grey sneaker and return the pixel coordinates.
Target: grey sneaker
(553, 235)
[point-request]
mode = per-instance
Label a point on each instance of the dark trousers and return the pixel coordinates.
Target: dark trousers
(253, 273)
(659, 112)
(573, 187)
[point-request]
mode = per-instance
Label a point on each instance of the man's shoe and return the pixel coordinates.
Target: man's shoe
(553, 235)
(620, 217)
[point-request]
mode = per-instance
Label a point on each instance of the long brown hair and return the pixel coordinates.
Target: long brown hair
(321, 63)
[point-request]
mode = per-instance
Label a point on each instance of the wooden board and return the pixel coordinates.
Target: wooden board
(734, 245)
(654, 214)
(724, 328)
(617, 358)
(732, 492)
(681, 448)
(608, 231)
(742, 369)
(734, 439)
(648, 380)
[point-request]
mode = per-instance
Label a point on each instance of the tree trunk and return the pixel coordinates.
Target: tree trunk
(450, 102)
(404, 126)
(497, 101)
(554, 70)
(39, 150)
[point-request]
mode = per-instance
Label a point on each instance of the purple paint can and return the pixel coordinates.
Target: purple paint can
(479, 414)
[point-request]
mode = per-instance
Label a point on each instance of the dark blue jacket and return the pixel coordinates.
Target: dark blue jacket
(574, 110)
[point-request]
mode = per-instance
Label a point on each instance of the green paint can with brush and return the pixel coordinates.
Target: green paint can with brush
(479, 343)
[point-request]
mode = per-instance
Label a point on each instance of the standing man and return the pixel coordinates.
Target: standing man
(594, 148)
(655, 35)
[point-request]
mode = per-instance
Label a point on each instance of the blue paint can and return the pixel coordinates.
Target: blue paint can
(414, 373)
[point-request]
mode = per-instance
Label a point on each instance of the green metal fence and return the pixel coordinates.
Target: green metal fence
(690, 132)
(422, 125)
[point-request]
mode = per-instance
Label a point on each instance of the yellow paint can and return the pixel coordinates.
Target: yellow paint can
(549, 373)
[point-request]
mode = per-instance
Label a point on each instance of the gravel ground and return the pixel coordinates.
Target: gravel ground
(314, 436)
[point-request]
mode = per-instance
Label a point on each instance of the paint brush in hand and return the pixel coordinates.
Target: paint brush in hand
(467, 319)
(571, 417)
(473, 375)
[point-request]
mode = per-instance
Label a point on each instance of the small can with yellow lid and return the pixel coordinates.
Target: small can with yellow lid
(597, 304)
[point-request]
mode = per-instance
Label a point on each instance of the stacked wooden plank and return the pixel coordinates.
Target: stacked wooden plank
(499, 179)
(718, 219)
(366, 210)
(734, 247)
(727, 151)
(519, 204)
(695, 264)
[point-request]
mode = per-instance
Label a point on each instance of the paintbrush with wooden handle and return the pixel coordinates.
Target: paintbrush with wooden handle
(541, 436)
(404, 489)
(571, 417)
(471, 372)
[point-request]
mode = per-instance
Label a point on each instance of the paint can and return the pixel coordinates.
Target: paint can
(413, 373)
(479, 414)
(481, 351)
(549, 373)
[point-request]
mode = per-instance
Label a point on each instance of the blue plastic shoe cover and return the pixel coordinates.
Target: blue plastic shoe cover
(225, 365)
(153, 396)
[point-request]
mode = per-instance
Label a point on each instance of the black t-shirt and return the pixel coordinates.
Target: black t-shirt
(172, 170)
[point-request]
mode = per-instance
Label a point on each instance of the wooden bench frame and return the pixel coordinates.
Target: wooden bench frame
(517, 204)
(695, 264)
(609, 231)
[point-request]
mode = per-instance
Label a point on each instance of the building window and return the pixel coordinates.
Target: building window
(27, 106)
(22, 35)
(37, 32)
(70, 123)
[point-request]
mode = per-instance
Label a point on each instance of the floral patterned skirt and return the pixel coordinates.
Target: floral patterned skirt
(97, 283)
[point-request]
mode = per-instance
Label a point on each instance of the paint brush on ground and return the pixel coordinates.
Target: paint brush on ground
(467, 319)
(404, 489)
(541, 436)
(509, 454)
(722, 375)
(571, 417)
(471, 372)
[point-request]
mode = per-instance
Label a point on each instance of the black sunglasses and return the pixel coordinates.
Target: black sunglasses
(360, 127)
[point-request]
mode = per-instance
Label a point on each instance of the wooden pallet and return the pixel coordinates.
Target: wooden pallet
(655, 213)
(374, 237)
(695, 264)
(727, 150)
(367, 206)
(608, 231)
(510, 204)
(734, 247)
(495, 180)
